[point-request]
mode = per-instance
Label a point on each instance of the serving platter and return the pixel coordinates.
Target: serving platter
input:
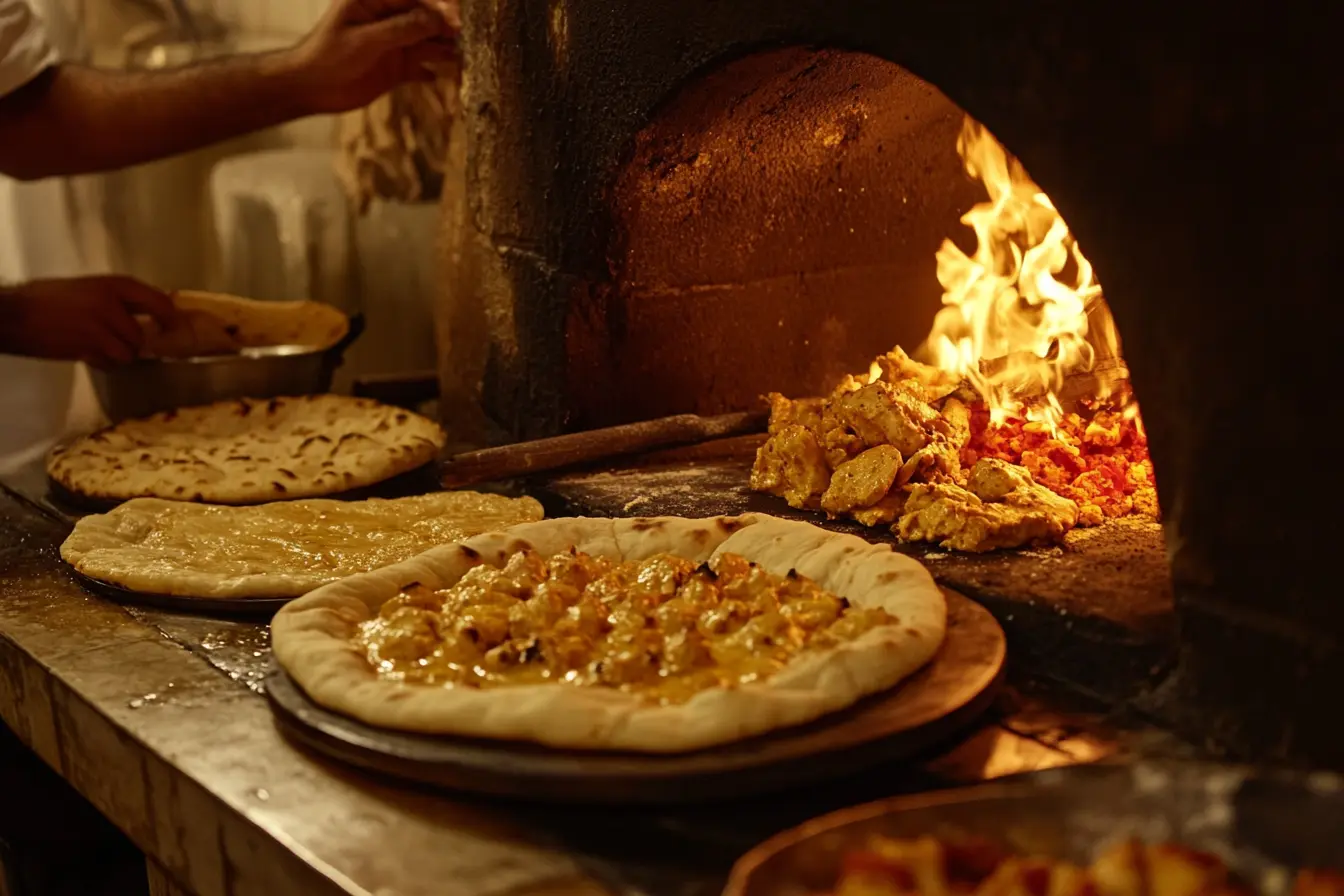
(950, 692)
(258, 607)
(1265, 825)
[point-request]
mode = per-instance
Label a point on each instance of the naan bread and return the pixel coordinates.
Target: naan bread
(248, 451)
(212, 324)
(276, 550)
(313, 636)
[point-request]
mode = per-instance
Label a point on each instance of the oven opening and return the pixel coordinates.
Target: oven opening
(823, 227)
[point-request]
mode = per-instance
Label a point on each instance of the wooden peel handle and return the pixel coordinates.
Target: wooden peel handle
(490, 464)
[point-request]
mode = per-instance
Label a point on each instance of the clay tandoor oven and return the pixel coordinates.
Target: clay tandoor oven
(679, 206)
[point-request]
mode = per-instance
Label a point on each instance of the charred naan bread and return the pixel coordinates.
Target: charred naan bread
(249, 451)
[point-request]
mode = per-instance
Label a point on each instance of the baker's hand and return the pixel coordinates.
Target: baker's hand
(363, 48)
(88, 319)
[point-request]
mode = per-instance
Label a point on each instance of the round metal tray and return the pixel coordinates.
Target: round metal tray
(938, 701)
(1264, 825)
(263, 607)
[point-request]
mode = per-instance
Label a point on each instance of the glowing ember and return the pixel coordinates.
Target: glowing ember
(1024, 311)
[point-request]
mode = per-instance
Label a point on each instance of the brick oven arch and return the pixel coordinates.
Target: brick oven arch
(780, 214)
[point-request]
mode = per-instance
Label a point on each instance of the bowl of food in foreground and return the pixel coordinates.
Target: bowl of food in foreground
(1147, 829)
(224, 347)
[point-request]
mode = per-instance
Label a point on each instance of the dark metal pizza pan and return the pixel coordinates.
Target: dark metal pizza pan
(943, 698)
(261, 607)
(1266, 825)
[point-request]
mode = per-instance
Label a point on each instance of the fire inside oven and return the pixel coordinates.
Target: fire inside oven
(826, 229)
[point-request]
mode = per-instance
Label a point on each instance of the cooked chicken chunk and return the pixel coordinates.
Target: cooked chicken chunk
(883, 414)
(993, 480)
(956, 423)
(1025, 877)
(840, 444)
(792, 465)
(787, 411)
(1131, 868)
(863, 481)
(884, 512)
(999, 481)
(955, 518)
(896, 366)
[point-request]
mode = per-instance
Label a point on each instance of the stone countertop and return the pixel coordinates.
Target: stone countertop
(159, 720)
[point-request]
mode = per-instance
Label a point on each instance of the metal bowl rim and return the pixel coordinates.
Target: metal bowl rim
(1018, 786)
(207, 360)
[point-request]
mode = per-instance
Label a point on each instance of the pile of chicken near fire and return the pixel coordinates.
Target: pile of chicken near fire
(1009, 432)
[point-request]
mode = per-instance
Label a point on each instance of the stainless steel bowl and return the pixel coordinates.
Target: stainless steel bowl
(1264, 824)
(147, 387)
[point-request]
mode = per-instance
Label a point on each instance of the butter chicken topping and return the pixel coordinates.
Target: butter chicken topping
(662, 628)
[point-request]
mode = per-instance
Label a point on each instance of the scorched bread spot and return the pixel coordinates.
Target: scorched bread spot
(249, 451)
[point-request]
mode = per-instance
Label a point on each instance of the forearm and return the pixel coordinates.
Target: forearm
(77, 120)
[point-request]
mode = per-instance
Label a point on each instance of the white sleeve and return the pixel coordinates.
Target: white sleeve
(24, 49)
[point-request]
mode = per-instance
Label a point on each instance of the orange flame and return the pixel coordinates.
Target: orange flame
(1024, 310)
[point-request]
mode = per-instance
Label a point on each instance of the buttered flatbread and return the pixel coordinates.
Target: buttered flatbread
(213, 324)
(660, 636)
(248, 451)
(275, 550)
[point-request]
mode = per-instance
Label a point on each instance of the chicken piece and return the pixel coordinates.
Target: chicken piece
(400, 638)
(863, 481)
(884, 512)
(998, 481)
(414, 595)
(935, 384)
(840, 444)
(937, 461)
(1037, 877)
(536, 615)
(1318, 883)
(882, 414)
(787, 411)
(949, 515)
(632, 660)
(792, 465)
(966, 393)
(896, 868)
(955, 423)
(1131, 868)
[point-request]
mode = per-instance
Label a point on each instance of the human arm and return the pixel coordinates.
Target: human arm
(73, 119)
(89, 319)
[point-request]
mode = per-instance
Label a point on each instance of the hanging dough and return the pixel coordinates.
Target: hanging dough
(395, 149)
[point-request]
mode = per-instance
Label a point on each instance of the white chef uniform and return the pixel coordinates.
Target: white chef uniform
(36, 240)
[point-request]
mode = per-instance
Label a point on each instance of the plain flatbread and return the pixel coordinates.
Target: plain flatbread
(312, 639)
(248, 451)
(278, 550)
(214, 324)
